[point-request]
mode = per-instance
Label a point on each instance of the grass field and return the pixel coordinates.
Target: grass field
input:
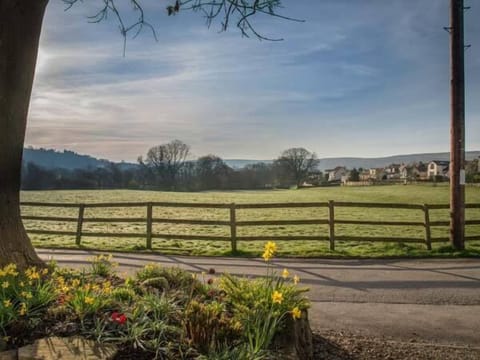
(413, 194)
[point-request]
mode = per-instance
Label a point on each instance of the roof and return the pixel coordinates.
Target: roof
(441, 162)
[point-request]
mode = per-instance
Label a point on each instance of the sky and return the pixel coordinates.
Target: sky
(363, 78)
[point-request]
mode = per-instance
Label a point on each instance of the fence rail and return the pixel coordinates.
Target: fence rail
(233, 223)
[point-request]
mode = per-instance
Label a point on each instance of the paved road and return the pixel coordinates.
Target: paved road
(417, 300)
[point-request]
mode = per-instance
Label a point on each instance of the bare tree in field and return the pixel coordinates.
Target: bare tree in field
(166, 161)
(20, 27)
(297, 163)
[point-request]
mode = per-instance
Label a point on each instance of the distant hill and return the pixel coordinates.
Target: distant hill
(70, 160)
(366, 163)
(353, 162)
(240, 163)
(66, 159)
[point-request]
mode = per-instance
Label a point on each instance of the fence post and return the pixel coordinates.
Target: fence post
(233, 228)
(331, 224)
(81, 211)
(428, 235)
(149, 225)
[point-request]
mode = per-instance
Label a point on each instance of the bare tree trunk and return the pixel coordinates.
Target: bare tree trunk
(20, 27)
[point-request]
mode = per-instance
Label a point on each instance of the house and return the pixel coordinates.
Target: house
(377, 174)
(364, 175)
(393, 171)
(337, 173)
(438, 168)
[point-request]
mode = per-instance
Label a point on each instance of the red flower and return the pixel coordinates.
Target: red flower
(119, 318)
(122, 319)
(210, 281)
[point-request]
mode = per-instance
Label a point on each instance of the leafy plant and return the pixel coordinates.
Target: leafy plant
(102, 265)
(208, 325)
(23, 294)
(261, 305)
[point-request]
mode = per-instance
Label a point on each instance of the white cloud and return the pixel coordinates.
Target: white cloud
(353, 71)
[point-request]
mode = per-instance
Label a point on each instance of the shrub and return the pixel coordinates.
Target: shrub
(102, 265)
(208, 325)
(177, 278)
(123, 294)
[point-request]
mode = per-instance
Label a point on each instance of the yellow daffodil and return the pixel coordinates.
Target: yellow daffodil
(75, 283)
(266, 256)
(107, 287)
(296, 279)
(7, 303)
(26, 295)
(32, 273)
(271, 246)
(5, 285)
(277, 297)
(296, 313)
(10, 269)
(23, 309)
(285, 273)
(269, 250)
(89, 300)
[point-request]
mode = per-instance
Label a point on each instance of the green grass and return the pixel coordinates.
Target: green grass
(414, 194)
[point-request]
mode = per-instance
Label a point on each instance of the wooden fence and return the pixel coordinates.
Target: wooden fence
(233, 223)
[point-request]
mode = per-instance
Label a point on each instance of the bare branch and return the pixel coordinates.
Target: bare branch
(242, 11)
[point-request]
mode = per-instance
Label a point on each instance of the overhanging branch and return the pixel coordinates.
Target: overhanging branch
(240, 12)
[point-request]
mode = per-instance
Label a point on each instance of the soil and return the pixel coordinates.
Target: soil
(335, 345)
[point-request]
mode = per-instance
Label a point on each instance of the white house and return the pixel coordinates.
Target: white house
(377, 173)
(438, 168)
(337, 173)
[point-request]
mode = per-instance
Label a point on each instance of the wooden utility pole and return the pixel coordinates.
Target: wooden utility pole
(457, 126)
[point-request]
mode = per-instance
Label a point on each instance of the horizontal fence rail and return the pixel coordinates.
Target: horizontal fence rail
(232, 223)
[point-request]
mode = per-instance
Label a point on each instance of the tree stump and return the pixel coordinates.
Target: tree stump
(295, 341)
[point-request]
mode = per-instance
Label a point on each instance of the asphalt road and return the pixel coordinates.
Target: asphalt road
(425, 300)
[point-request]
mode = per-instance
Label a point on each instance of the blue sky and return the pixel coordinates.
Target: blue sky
(359, 78)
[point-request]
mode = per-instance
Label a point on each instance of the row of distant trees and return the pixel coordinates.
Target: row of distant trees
(169, 167)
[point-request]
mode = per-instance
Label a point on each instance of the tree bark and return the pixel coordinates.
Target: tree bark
(20, 27)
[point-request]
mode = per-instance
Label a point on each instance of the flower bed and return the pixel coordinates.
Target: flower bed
(164, 313)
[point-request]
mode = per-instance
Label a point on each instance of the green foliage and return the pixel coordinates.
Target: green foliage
(85, 301)
(240, 352)
(167, 313)
(159, 283)
(175, 277)
(261, 305)
(23, 294)
(152, 326)
(102, 265)
(208, 325)
(123, 294)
